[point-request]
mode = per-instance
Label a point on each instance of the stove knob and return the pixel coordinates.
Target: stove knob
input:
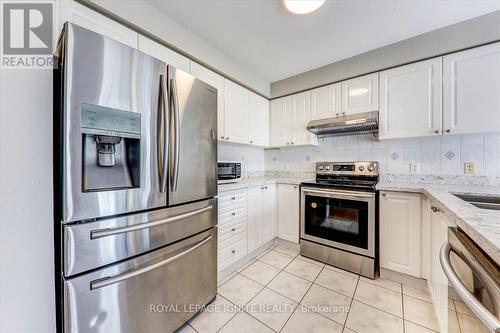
(370, 168)
(327, 167)
(361, 168)
(320, 167)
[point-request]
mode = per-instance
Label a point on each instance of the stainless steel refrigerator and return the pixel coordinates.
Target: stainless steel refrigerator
(135, 156)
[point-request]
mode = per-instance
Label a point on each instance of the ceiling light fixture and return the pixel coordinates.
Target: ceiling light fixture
(302, 6)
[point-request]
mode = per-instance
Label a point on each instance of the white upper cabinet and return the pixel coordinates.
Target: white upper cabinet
(326, 102)
(164, 54)
(472, 90)
(236, 113)
(289, 118)
(258, 120)
(218, 82)
(89, 19)
(410, 100)
(360, 94)
(301, 115)
(280, 121)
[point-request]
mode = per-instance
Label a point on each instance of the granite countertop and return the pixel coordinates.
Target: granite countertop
(481, 225)
(259, 181)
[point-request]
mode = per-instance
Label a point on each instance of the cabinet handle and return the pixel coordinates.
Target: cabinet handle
(227, 138)
(448, 130)
(292, 143)
(233, 213)
(233, 251)
(233, 198)
(343, 113)
(233, 230)
(287, 143)
(436, 131)
(222, 137)
(435, 209)
(383, 194)
(295, 187)
(251, 141)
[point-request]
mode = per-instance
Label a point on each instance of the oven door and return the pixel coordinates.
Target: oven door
(341, 219)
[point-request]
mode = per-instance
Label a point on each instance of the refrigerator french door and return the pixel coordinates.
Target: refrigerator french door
(135, 185)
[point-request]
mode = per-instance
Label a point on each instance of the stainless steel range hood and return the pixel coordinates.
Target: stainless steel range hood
(360, 123)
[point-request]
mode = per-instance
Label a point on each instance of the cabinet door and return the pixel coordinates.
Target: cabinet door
(288, 212)
(280, 122)
(164, 54)
(269, 213)
(400, 232)
(438, 281)
(326, 101)
(216, 81)
(89, 19)
(300, 116)
(360, 94)
(471, 90)
(236, 113)
(254, 218)
(259, 120)
(410, 100)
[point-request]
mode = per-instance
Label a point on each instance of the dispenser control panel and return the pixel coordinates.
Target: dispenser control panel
(101, 120)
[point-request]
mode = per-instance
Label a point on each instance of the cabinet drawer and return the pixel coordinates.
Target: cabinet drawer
(232, 215)
(232, 250)
(231, 199)
(232, 229)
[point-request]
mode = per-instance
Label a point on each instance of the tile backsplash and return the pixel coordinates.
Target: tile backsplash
(252, 158)
(444, 155)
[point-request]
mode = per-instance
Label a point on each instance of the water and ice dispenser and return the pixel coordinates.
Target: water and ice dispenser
(111, 148)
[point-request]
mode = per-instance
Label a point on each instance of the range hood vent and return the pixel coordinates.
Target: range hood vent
(360, 123)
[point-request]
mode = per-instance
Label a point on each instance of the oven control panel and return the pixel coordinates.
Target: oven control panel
(348, 168)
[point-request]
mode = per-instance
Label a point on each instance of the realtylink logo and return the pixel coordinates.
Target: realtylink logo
(26, 34)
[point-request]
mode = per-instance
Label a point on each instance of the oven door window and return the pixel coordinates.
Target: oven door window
(338, 220)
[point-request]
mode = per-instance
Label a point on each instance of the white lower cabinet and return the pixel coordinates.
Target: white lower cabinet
(438, 282)
(232, 227)
(400, 232)
(288, 212)
(262, 221)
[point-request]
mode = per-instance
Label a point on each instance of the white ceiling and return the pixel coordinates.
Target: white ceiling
(266, 39)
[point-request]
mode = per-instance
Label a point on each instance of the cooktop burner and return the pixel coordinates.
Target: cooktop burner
(361, 176)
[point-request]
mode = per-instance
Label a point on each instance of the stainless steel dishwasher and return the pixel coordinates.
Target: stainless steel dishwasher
(475, 277)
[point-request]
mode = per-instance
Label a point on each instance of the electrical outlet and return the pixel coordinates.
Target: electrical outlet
(414, 167)
(469, 168)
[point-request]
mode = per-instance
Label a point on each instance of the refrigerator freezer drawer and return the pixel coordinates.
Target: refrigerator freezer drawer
(91, 245)
(155, 292)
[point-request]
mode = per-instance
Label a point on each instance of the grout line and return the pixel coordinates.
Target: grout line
(350, 305)
(303, 296)
(458, 321)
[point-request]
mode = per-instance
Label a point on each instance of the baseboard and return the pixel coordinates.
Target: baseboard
(288, 244)
(408, 280)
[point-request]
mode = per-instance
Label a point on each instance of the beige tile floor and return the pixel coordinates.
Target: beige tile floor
(281, 291)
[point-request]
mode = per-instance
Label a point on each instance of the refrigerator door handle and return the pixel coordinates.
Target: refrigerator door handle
(106, 281)
(99, 233)
(177, 136)
(162, 139)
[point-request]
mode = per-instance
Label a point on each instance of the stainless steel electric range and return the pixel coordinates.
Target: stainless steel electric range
(339, 216)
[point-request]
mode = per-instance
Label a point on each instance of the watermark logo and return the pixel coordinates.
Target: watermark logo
(26, 34)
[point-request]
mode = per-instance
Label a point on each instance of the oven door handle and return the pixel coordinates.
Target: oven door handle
(344, 193)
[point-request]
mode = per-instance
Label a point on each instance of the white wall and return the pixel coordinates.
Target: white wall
(168, 29)
(26, 232)
(437, 155)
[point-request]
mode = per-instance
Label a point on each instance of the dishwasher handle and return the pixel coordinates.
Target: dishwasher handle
(490, 320)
